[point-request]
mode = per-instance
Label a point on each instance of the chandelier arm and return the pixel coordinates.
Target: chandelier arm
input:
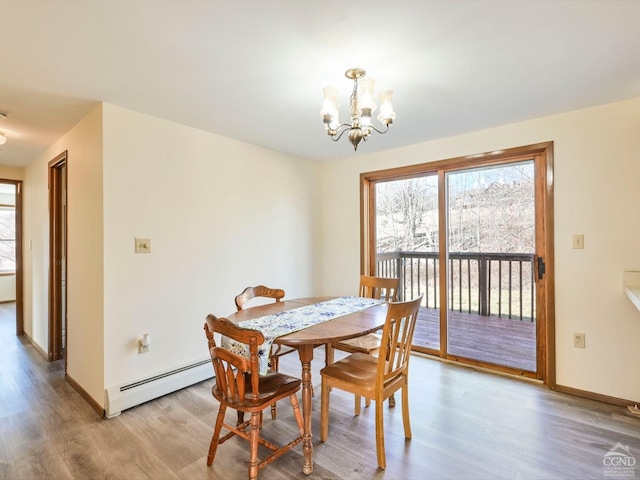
(346, 129)
(379, 131)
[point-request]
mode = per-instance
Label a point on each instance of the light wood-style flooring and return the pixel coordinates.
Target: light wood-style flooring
(466, 424)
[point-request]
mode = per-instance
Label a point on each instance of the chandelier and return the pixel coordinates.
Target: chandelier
(362, 107)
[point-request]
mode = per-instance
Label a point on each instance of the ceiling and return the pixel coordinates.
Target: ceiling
(254, 70)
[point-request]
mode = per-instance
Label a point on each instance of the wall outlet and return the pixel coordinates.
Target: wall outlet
(578, 340)
(143, 343)
(578, 241)
(142, 348)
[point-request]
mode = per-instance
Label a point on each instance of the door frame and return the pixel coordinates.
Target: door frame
(57, 245)
(545, 296)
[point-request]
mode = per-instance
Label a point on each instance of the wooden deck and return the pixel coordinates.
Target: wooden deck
(491, 339)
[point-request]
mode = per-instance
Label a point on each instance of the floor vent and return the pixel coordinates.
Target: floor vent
(126, 396)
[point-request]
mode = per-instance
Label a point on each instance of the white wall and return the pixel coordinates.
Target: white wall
(35, 224)
(11, 173)
(85, 329)
(221, 215)
(597, 179)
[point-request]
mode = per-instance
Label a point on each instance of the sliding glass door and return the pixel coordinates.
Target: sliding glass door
(473, 235)
(407, 242)
(491, 248)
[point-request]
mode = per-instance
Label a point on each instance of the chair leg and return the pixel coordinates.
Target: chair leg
(328, 354)
(358, 404)
(392, 401)
(213, 446)
(405, 411)
(297, 413)
(367, 401)
(254, 436)
(382, 461)
(324, 411)
(274, 364)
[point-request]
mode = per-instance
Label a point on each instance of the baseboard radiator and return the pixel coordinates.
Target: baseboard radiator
(119, 398)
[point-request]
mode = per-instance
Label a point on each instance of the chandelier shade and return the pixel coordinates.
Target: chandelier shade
(361, 107)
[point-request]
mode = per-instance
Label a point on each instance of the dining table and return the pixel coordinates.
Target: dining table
(339, 328)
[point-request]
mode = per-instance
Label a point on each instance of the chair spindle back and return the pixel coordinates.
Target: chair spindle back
(397, 336)
(260, 291)
(233, 371)
(379, 287)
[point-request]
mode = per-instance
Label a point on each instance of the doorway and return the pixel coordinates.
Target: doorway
(57, 257)
(11, 257)
(490, 218)
(475, 235)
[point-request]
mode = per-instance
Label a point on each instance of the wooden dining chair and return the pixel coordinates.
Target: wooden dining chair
(276, 350)
(370, 287)
(376, 378)
(240, 386)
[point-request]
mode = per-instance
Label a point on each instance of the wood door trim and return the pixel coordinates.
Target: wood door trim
(546, 287)
(443, 264)
(55, 247)
(19, 262)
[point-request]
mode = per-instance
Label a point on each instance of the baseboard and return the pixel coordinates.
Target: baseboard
(122, 397)
(75, 385)
(621, 402)
(85, 396)
(36, 346)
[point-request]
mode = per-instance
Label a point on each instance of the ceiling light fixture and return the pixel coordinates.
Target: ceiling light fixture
(362, 107)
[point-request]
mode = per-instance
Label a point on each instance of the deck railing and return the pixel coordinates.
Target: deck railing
(499, 284)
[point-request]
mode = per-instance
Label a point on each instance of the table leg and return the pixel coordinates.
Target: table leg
(306, 355)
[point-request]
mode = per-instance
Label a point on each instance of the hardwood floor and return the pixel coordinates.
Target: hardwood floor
(466, 424)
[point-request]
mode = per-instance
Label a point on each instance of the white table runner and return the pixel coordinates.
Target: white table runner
(283, 323)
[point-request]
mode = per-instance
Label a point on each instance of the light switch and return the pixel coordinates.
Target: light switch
(143, 245)
(578, 241)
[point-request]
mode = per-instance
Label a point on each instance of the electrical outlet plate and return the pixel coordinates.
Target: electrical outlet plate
(578, 340)
(578, 241)
(143, 245)
(142, 348)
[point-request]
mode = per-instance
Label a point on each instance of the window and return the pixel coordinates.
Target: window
(7, 238)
